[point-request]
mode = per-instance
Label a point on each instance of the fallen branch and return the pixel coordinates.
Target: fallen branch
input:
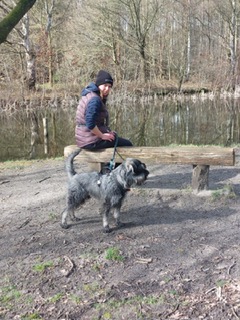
(4, 181)
(44, 179)
(173, 311)
(210, 290)
(234, 313)
(24, 223)
(229, 269)
(219, 293)
(144, 260)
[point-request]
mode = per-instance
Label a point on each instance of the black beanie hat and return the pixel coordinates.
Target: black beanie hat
(103, 77)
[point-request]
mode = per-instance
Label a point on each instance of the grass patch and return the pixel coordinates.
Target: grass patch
(91, 287)
(221, 283)
(56, 298)
(32, 316)
(53, 216)
(9, 293)
(16, 164)
(75, 298)
(226, 192)
(113, 305)
(23, 163)
(114, 254)
(41, 267)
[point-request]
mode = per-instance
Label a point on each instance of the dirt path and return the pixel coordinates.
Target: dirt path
(177, 258)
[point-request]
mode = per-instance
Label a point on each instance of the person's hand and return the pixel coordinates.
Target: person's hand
(109, 136)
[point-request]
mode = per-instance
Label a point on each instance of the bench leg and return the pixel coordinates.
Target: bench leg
(200, 177)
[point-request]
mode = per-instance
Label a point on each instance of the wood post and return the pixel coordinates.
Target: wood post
(200, 177)
(45, 133)
(237, 157)
(34, 136)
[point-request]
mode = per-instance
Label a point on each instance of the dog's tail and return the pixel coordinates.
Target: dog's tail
(69, 163)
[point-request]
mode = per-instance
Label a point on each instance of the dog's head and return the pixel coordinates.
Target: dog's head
(135, 172)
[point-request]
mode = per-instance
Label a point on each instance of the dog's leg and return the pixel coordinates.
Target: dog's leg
(68, 212)
(116, 214)
(72, 215)
(105, 213)
(74, 200)
(64, 224)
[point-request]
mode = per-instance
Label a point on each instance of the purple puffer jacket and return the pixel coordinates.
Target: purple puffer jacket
(91, 112)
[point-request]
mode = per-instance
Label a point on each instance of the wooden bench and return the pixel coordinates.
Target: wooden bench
(201, 158)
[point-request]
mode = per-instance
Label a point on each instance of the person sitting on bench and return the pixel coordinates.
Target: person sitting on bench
(92, 119)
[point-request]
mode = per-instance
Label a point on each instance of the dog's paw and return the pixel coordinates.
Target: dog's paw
(76, 219)
(106, 229)
(64, 225)
(120, 224)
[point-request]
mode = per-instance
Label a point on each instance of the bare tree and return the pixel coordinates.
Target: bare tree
(139, 17)
(29, 54)
(231, 15)
(53, 14)
(138, 40)
(224, 30)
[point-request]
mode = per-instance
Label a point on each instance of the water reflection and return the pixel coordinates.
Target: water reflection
(155, 122)
(189, 122)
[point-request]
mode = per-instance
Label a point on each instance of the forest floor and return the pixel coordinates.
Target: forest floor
(177, 258)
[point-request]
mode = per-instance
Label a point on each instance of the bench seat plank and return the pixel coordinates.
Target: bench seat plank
(207, 155)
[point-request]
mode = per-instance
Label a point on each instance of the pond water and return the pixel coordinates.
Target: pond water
(146, 122)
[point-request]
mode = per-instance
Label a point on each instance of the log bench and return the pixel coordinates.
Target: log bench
(201, 158)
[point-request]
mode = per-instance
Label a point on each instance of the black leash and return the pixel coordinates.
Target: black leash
(120, 155)
(112, 161)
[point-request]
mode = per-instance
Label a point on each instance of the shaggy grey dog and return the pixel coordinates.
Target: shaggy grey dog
(109, 188)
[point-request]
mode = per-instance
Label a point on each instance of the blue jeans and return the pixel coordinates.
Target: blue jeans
(108, 144)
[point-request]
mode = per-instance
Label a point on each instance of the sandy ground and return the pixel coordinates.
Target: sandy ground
(177, 258)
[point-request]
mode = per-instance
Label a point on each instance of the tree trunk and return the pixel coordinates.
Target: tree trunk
(12, 19)
(30, 55)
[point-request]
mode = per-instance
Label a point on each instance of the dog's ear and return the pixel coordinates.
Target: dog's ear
(130, 165)
(134, 165)
(143, 165)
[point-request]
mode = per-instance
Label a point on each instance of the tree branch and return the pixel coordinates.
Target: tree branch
(13, 17)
